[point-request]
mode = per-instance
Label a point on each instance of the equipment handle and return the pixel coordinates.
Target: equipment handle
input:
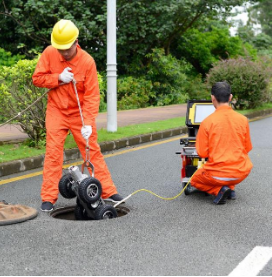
(87, 162)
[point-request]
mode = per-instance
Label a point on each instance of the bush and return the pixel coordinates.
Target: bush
(133, 93)
(168, 78)
(17, 92)
(249, 80)
(203, 48)
(196, 89)
(102, 89)
(162, 82)
(7, 59)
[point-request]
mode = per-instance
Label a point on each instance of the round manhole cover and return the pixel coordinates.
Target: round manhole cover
(68, 213)
(11, 214)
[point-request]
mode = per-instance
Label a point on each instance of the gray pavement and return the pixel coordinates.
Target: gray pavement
(188, 236)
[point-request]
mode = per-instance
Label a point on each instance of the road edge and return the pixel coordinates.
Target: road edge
(70, 155)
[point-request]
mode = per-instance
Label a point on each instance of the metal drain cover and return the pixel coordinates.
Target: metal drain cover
(11, 214)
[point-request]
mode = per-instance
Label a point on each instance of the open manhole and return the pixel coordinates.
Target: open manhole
(68, 213)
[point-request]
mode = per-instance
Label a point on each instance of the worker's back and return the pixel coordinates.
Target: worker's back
(224, 139)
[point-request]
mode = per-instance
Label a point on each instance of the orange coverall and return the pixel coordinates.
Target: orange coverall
(62, 114)
(224, 139)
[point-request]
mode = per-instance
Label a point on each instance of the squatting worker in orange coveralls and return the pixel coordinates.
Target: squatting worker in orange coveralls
(224, 139)
(61, 63)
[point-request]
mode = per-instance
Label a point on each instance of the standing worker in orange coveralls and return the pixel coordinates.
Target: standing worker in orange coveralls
(60, 64)
(224, 139)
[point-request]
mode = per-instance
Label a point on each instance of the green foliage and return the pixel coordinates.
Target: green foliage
(249, 80)
(26, 25)
(7, 59)
(16, 93)
(197, 89)
(142, 25)
(145, 25)
(102, 89)
(162, 82)
(262, 14)
(158, 77)
(265, 52)
(133, 93)
(168, 78)
(261, 41)
(202, 49)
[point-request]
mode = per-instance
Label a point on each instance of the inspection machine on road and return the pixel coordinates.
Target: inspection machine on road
(87, 190)
(197, 111)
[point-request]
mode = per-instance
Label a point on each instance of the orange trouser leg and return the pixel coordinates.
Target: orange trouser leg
(53, 161)
(204, 182)
(101, 170)
(57, 126)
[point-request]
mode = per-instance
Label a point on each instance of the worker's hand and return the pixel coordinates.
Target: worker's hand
(86, 131)
(66, 76)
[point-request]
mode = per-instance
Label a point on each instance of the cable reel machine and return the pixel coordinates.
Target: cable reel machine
(197, 111)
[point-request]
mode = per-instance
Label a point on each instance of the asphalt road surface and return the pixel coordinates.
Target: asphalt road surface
(186, 236)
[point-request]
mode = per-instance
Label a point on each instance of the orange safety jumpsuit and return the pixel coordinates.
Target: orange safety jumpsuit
(63, 114)
(224, 139)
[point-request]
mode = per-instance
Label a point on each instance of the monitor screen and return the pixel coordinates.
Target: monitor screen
(202, 111)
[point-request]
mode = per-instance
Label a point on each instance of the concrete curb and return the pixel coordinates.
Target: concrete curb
(74, 154)
(70, 155)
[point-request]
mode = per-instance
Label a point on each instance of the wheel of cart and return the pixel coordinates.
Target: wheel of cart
(90, 190)
(66, 186)
(105, 212)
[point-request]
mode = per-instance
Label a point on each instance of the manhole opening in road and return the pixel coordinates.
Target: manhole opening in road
(69, 213)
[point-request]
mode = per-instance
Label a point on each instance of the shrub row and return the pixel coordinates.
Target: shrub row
(249, 80)
(164, 81)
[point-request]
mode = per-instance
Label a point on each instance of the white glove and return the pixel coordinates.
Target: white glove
(86, 131)
(66, 76)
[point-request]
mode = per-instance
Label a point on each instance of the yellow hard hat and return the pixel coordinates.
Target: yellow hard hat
(64, 34)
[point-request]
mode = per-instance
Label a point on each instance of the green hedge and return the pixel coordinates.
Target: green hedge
(17, 92)
(7, 59)
(249, 80)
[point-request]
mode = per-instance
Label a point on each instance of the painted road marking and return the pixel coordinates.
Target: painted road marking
(254, 262)
(80, 162)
